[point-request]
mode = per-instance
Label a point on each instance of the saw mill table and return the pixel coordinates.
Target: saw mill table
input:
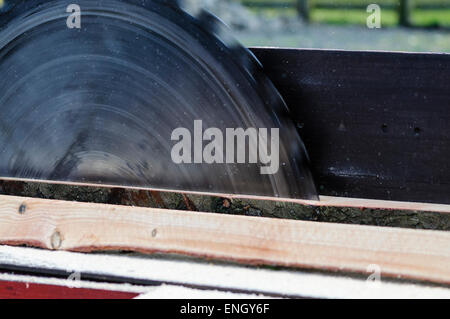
(367, 130)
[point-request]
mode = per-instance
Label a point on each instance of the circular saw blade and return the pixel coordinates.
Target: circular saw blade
(99, 104)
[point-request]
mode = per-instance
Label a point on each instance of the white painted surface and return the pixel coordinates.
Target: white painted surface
(156, 292)
(222, 277)
(177, 292)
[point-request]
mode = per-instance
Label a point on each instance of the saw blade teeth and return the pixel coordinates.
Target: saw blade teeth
(214, 25)
(224, 34)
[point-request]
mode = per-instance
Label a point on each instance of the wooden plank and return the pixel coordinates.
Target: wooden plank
(59, 225)
(330, 201)
(376, 124)
(324, 201)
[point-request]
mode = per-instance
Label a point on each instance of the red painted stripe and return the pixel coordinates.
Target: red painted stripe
(20, 290)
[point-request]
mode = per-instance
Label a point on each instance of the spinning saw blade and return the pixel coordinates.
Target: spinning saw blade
(99, 104)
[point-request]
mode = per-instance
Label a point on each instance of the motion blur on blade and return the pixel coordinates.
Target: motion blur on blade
(98, 104)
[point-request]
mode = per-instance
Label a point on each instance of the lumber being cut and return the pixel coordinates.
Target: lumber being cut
(84, 227)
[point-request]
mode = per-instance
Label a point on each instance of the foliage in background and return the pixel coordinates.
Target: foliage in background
(438, 17)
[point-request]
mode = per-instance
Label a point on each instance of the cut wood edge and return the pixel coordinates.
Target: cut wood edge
(381, 204)
(324, 201)
(73, 226)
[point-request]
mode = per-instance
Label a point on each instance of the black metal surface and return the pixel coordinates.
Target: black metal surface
(98, 105)
(376, 125)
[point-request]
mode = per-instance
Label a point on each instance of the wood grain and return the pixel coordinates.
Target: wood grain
(327, 201)
(72, 226)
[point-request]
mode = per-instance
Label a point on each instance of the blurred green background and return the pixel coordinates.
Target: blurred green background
(406, 25)
(423, 13)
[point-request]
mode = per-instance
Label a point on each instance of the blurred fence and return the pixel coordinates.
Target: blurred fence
(304, 7)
